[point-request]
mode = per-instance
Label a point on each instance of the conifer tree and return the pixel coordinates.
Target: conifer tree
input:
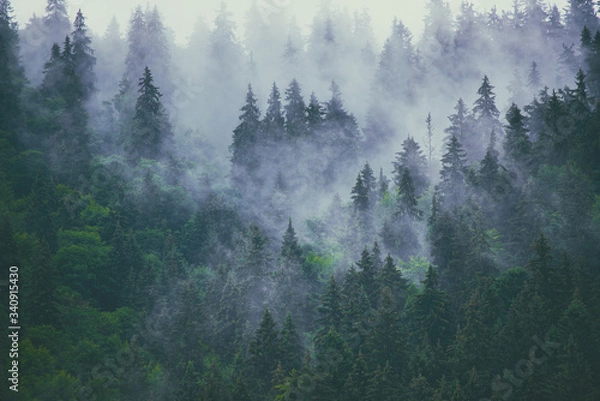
(273, 122)
(517, 146)
(152, 130)
(330, 309)
(360, 195)
(289, 247)
(295, 111)
(290, 347)
(460, 122)
(11, 74)
(367, 276)
(486, 120)
(406, 199)
(411, 158)
(245, 136)
(389, 276)
(83, 55)
(453, 173)
(314, 114)
(534, 78)
(264, 352)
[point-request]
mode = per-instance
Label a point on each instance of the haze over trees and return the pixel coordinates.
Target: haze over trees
(289, 216)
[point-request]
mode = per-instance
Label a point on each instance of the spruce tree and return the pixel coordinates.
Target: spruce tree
(264, 353)
(406, 202)
(152, 130)
(11, 74)
(290, 347)
(517, 146)
(289, 247)
(330, 309)
(295, 111)
(411, 158)
(460, 122)
(453, 173)
(83, 56)
(273, 122)
(243, 151)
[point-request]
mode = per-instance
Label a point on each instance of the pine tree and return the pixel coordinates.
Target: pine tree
(11, 74)
(341, 129)
(429, 316)
(56, 21)
(411, 158)
(290, 347)
(264, 353)
(330, 309)
(289, 247)
(83, 56)
(152, 130)
(406, 199)
(314, 114)
(384, 343)
(370, 183)
(453, 173)
(460, 122)
(355, 388)
(486, 119)
(534, 78)
(295, 111)
(245, 136)
(360, 195)
(389, 276)
(273, 122)
(137, 56)
(383, 185)
(517, 146)
(367, 276)
(429, 147)
(579, 14)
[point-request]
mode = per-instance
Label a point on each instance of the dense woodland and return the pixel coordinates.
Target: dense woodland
(277, 215)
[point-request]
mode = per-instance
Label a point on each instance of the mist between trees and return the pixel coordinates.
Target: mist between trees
(281, 216)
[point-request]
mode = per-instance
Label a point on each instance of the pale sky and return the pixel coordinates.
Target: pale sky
(180, 15)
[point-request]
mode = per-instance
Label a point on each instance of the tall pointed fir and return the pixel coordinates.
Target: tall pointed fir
(411, 158)
(486, 120)
(406, 201)
(452, 184)
(461, 122)
(295, 111)
(263, 353)
(517, 147)
(245, 135)
(151, 129)
(11, 73)
(83, 56)
(273, 122)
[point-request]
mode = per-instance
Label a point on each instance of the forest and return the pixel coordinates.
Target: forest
(266, 213)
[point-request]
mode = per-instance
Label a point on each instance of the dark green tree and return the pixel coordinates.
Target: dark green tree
(406, 201)
(273, 122)
(517, 146)
(263, 353)
(330, 309)
(453, 174)
(389, 276)
(11, 73)
(151, 132)
(245, 137)
(411, 158)
(290, 346)
(83, 56)
(295, 111)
